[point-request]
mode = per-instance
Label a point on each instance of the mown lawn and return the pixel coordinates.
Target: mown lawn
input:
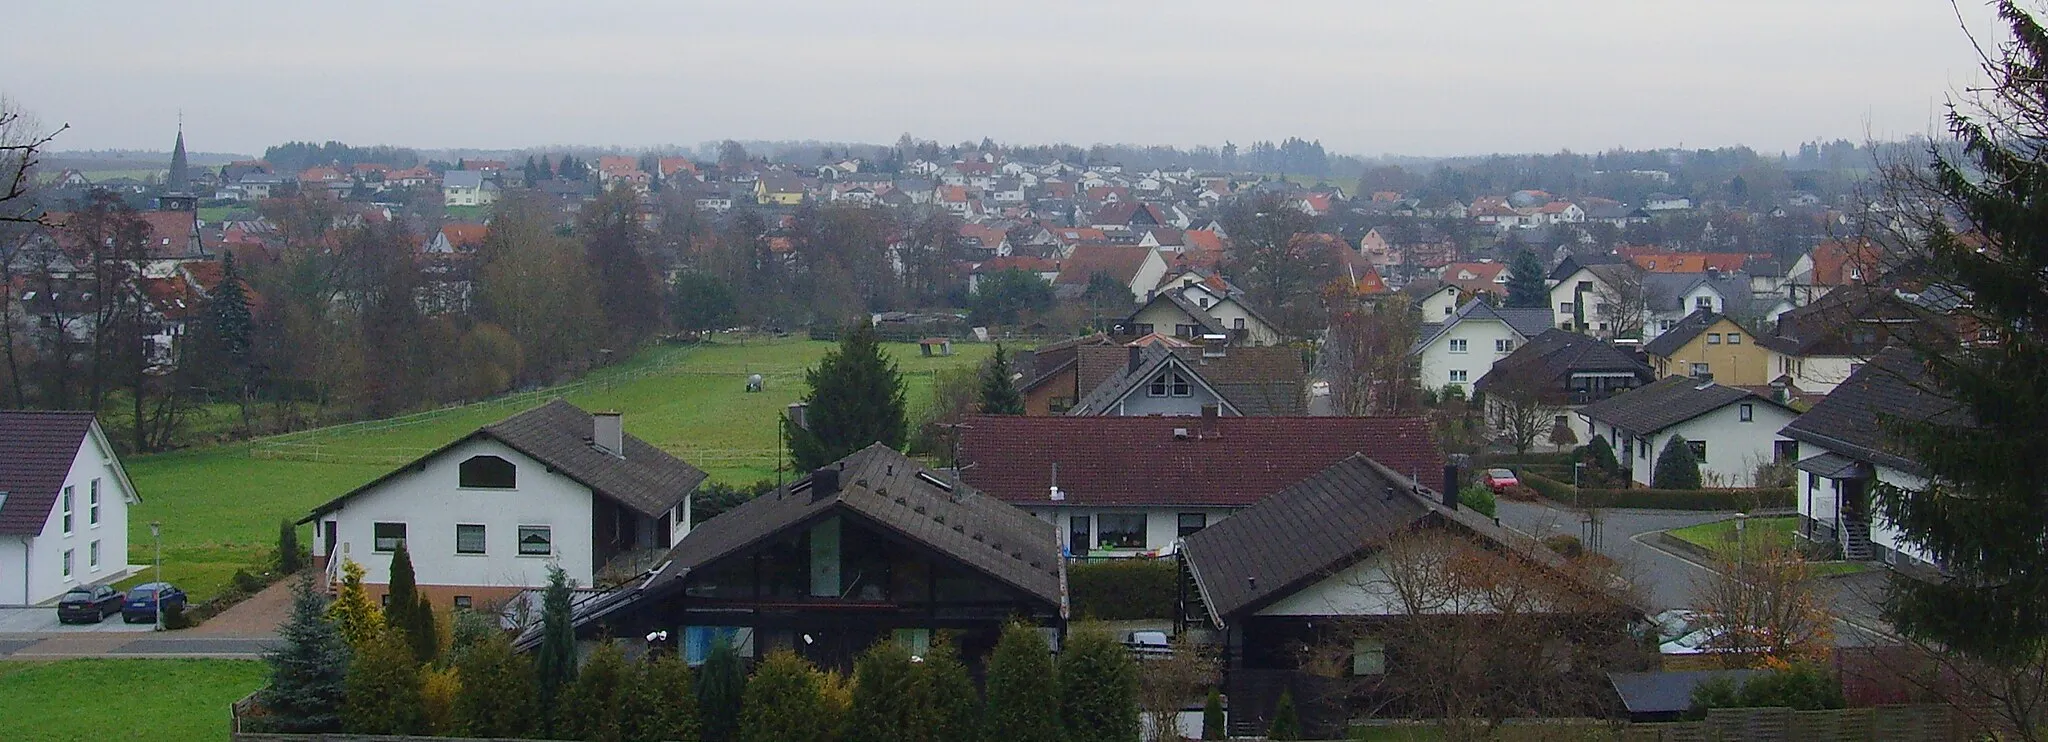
(1720, 536)
(220, 506)
(95, 699)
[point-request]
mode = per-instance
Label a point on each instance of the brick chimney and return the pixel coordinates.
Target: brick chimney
(608, 432)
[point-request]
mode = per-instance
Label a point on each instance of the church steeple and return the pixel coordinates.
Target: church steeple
(181, 178)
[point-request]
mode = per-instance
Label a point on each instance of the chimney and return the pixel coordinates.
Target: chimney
(608, 431)
(1213, 345)
(824, 483)
(1210, 414)
(1450, 491)
(1137, 359)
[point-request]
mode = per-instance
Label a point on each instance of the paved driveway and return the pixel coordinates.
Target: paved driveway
(1665, 581)
(44, 621)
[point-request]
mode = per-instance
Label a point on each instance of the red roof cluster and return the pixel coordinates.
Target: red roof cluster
(1220, 462)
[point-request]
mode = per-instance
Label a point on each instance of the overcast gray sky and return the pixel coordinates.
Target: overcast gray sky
(1364, 76)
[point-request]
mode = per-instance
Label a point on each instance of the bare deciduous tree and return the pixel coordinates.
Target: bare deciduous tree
(1624, 303)
(1764, 602)
(21, 143)
(1168, 684)
(1367, 360)
(1522, 403)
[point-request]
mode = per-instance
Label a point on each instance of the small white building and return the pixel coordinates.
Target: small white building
(1731, 430)
(63, 506)
(486, 515)
(1843, 454)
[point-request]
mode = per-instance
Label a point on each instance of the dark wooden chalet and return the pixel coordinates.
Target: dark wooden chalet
(869, 548)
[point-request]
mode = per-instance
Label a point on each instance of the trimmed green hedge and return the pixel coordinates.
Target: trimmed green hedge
(1563, 458)
(1130, 589)
(1656, 499)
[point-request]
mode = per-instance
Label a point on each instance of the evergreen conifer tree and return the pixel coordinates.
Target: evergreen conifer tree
(308, 669)
(497, 696)
(356, 617)
(409, 612)
(384, 689)
(1602, 456)
(1098, 687)
(998, 391)
(720, 688)
(554, 664)
(592, 707)
(661, 705)
(856, 399)
(287, 548)
(784, 701)
(951, 705)
(1286, 721)
(1023, 688)
(1677, 468)
(1526, 281)
(1214, 725)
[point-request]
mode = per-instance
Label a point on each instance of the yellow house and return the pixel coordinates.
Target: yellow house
(782, 191)
(1709, 343)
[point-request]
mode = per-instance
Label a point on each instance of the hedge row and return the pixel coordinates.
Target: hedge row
(1130, 589)
(1704, 499)
(1561, 458)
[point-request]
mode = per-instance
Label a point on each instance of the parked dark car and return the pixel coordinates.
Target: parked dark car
(142, 601)
(89, 604)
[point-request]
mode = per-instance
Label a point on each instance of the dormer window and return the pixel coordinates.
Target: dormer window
(488, 472)
(1170, 383)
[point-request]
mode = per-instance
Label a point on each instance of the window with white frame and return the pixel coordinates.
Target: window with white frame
(68, 492)
(92, 556)
(1747, 412)
(1703, 302)
(1459, 376)
(92, 503)
(469, 538)
(1460, 345)
(67, 563)
(536, 541)
(1504, 345)
(387, 537)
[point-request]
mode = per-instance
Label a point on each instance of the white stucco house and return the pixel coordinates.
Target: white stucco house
(64, 502)
(1589, 295)
(1669, 298)
(1844, 453)
(1463, 347)
(1439, 304)
(484, 516)
(1731, 430)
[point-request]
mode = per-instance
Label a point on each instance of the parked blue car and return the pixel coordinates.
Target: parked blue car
(89, 604)
(142, 601)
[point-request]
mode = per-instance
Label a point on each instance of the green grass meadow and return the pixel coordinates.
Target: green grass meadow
(121, 699)
(220, 505)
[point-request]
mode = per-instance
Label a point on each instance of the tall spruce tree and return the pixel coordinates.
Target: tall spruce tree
(856, 399)
(1023, 688)
(998, 391)
(1984, 513)
(554, 664)
(1098, 687)
(409, 612)
(1677, 468)
(308, 668)
(720, 688)
(1526, 281)
(230, 337)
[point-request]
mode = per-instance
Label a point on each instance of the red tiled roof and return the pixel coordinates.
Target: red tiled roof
(36, 452)
(1841, 263)
(1018, 262)
(465, 235)
(1132, 461)
(1119, 261)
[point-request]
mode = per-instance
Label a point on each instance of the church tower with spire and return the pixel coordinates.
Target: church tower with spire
(177, 193)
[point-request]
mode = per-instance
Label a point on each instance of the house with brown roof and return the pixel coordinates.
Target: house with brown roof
(1130, 486)
(485, 515)
(871, 547)
(1135, 267)
(64, 501)
(1731, 430)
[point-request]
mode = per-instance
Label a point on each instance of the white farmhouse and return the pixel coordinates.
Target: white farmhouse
(486, 515)
(63, 506)
(1464, 346)
(1731, 430)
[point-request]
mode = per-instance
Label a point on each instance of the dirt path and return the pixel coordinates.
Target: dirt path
(257, 617)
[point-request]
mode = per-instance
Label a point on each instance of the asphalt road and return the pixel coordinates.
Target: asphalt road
(1665, 581)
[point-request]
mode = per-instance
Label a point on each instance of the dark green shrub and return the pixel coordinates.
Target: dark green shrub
(289, 556)
(1802, 687)
(1286, 722)
(1124, 589)
(1677, 468)
(1746, 499)
(249, 583)
(1600, 454)
(1566, 545)
(1214, 726)
(174, 616)
(1023, 688)
(1479, 499)
(1098, 687)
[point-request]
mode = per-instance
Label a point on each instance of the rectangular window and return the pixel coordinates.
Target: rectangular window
(1120, 531)
(67, 564)
(1181, 388)
(469, 539)
(1734, 338)
(1699, 450)
(1459, 345)
(1158, 387)
(1703, 302)
(464, 602)
(1504, 345)
(92, 555)
(1368, 657)
(92, 503)
(536, 540)
(1747, 412)
(1192, 522)
(1186, 331)
(1459, 376)
(386, 537)
(1585, 286)
(1237, 323)
(1700, 369)
(1713, 338)
(67, 509)
(1564, 308)
(1141, 328)
(918, 641)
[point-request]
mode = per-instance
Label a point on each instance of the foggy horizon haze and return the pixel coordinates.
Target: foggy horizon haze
(1422, 80)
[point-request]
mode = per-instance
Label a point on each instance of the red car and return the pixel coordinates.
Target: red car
(1499, 480)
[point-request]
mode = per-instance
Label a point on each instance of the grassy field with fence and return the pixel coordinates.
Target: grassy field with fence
(220, 505)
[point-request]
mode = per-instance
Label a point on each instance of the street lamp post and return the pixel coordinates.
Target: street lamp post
(156, 533)
(1741, 521)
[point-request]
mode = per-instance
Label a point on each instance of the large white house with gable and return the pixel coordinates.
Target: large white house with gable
(483, 517)
(63, 506)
